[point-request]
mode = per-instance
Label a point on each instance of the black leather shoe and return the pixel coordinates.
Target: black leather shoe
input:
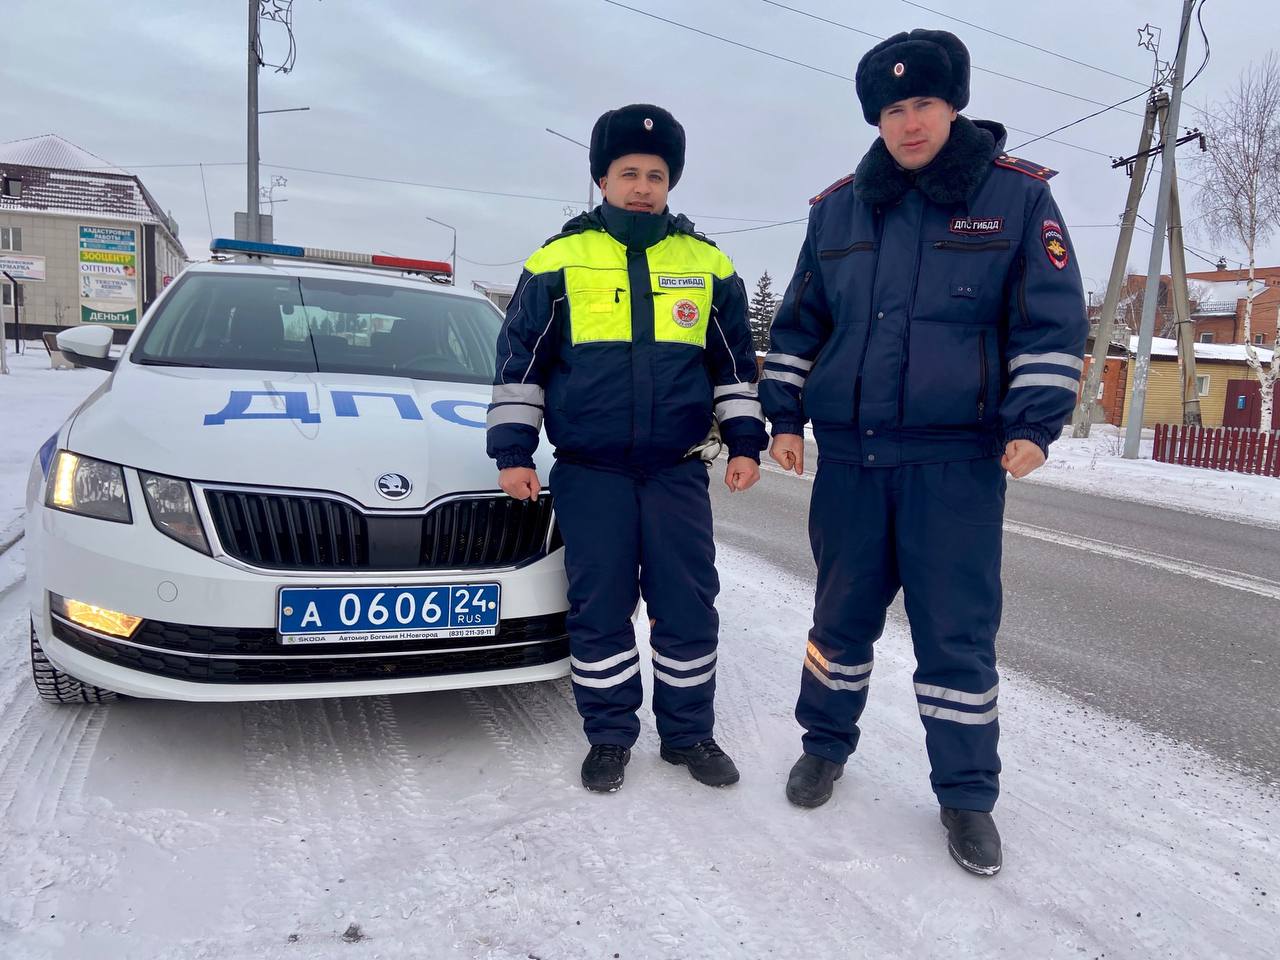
(973, 840)
(811, 780)
(705, 760)
(605, 767)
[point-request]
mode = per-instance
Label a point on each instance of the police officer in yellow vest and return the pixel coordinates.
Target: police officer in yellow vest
(628, 333)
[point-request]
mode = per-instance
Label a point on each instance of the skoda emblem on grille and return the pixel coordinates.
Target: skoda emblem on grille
(394, 486)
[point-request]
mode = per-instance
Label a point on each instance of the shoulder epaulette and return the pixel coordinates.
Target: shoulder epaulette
(682, 224)
(1025, 166)
(566, 233)
(831, 189)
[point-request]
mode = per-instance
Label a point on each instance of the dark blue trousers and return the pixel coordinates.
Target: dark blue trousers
(935, 532)
(628, 533)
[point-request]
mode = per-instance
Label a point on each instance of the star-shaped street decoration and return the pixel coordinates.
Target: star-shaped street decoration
(1149, 38)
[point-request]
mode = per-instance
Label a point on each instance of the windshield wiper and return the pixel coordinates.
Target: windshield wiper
(159, 362)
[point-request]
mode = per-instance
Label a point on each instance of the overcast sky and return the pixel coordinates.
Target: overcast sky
(457, 93)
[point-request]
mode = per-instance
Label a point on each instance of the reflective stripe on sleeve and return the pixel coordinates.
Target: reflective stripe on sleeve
(788, 360)
(729, 409)
(529, 393)
(792, 378)
(1058, 359)
(1044, 380)
(514, 413)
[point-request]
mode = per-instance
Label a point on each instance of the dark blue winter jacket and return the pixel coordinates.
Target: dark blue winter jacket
(933, 315)
(628, 332)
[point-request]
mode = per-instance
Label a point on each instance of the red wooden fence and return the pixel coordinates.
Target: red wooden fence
(1237, 449)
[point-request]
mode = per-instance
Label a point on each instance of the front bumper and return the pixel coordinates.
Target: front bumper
(182, 666)
(234, 653)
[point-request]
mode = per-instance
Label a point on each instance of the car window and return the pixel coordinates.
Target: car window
(254, 322)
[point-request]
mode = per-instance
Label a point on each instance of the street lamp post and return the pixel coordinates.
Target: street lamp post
(453, 254)
(591, 184)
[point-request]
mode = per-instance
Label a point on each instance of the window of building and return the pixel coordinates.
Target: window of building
(1206, 338)
(1259, 338)
(10, 238)
(12, 187)
(1202, 385)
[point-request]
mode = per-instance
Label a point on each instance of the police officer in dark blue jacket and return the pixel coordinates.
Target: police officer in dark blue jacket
(628, 332)
(933, 334)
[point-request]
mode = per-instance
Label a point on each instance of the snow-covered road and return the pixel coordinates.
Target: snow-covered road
(452, 825)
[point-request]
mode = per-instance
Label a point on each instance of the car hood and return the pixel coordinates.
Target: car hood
(311, 431)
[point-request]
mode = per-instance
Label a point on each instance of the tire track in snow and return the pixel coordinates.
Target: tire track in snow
(333, 790)
(45, 754)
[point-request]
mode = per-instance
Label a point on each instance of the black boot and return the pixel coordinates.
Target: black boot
(705, 760)
(973, 840)
(605, 767)
(811, 780)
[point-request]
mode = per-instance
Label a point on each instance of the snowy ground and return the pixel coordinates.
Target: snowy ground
(452, 825)
(1095, 465)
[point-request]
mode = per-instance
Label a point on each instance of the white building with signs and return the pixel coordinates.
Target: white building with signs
(84, 239)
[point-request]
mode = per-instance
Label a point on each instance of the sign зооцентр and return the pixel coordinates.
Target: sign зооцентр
(109, 275)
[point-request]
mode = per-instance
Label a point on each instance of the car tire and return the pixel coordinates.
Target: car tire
(55, 686)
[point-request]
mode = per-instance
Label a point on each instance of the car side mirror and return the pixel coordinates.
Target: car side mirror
(88, 346)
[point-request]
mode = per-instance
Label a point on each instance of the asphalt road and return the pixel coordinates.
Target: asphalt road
(1164, 618)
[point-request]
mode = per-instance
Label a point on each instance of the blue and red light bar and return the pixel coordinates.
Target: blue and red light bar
(340, 257)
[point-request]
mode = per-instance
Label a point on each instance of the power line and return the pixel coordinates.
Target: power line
(205, 188)
(816, 69)
(412, 183)
(492, 193)
(1203, 256)
(767, 226)
(853, 29)
(1005, 36)
(1045, 136)
(478, 263)
(1205, 62)
(744, 46)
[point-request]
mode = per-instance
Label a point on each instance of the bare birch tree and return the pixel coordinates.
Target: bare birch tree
(1240, 199)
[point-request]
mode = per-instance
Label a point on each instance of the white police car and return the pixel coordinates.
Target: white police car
(282, 492)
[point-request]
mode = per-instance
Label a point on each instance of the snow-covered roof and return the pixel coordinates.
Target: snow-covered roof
(60, 178)
(484, 286)
(50, 150)
(1230, 291)
(1163, 347)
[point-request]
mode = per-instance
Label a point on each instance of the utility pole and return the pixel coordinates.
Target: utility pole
(1106, 319)
(1181, 302)
(1142, 367)
(453, 254)
(252, 165)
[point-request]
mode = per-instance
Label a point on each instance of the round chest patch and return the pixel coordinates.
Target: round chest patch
(899, 69)
(685, 313)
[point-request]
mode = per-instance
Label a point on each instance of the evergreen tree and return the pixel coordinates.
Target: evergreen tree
(760, 312)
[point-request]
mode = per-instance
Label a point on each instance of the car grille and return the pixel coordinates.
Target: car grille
(535, 641)
(295, 532)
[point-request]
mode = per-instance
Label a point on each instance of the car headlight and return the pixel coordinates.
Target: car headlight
(173, 510)
(88, 487)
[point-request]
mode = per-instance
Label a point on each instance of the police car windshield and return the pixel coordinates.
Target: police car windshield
(240, 321)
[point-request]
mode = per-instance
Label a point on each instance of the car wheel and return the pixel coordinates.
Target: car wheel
(54, 686)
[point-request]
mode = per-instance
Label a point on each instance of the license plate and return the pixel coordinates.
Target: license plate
(371, 614)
